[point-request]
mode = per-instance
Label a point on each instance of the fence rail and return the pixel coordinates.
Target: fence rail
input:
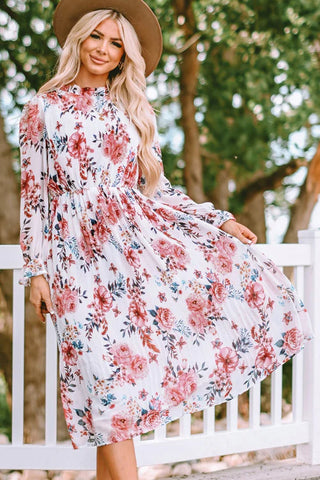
(302, 430)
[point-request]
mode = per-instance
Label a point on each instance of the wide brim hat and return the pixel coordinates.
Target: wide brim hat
(137, 12)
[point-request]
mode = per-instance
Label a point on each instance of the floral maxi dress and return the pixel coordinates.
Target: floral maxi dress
(157, 311)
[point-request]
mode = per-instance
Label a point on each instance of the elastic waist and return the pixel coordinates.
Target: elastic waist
(106, 189)
(79, 191)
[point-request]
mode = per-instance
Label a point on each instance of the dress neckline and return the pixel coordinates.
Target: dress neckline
(77, 90)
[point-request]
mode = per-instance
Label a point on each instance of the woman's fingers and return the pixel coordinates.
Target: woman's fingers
(40, 297)
(248, 236)
(39, 309)
(239, 231)
(47, 303)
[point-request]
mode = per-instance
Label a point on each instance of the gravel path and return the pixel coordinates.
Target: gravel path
(281, 470)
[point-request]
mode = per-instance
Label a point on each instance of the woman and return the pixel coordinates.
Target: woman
(160, 305)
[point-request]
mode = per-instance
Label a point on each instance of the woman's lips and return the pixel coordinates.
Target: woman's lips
(97, 60)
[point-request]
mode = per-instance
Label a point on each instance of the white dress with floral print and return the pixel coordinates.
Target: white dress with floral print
(158, 312)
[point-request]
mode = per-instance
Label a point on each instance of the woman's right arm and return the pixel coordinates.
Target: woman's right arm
(34, 202)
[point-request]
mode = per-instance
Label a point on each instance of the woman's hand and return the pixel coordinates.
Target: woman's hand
(239, 231)
(40, 296)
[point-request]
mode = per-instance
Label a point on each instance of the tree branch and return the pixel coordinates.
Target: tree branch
(178, 51)
(272, 181)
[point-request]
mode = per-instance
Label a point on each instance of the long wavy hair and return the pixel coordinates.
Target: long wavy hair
(127, 85)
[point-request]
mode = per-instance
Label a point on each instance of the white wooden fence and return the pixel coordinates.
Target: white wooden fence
(303, 430)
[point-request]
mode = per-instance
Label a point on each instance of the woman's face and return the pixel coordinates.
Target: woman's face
(100, 53)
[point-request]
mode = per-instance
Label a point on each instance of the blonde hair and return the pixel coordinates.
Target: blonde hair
(127, 85)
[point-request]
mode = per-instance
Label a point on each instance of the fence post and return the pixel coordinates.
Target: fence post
(310, 452)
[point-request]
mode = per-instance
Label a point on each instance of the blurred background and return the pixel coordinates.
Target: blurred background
(237, 94)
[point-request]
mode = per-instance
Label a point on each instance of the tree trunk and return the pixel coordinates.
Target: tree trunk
(189, 69)
(253, 216)
(35, 331)
(302, 209)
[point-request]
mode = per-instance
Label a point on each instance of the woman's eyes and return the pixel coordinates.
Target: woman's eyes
(97, 37)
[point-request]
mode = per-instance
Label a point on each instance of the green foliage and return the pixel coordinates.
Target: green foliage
(259, 81)
(5, 415)
(28, 48)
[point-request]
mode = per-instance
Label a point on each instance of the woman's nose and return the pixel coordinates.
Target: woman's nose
(103, 48)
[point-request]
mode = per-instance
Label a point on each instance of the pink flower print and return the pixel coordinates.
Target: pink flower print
(66, 301)
(35, 124)
(132, 257)
(167, 214)
(69, 353)
(175, 394)
(30, 191)
(226, 246)
(122, 354)
(121, 424)
(87, 418)
(218, 292)
(27, 183)
(195, 302)
(110, 209)
(180, 257)
(114, 146)
(227, 360)
(188, 382)
(150, 420)
(127, 206)
(254, 295)
(163, 247)
(223, 264)
(198, 321)
(138, 366)
(86, 250)
(130, 173)
(266, 358)
(70, 299)
(103, 298)
(292, 341)
(165, 318)
(137, 313)
(64, 227)
(101, 231)
(82, 102)
(77, 146)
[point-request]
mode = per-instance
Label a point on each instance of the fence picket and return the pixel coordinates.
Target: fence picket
(185, 425)
(51, 384)
(17, 359)
(209, 420)
(297, 387)
(232, 415)
(276, 396)
(160, 433)
(254, 405)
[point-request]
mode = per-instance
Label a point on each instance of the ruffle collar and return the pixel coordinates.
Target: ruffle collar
(77, 90)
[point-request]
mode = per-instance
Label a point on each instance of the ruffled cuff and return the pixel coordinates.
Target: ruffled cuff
(218, 217)
(32, 270)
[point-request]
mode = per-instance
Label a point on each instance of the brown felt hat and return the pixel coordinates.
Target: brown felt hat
(137, 12)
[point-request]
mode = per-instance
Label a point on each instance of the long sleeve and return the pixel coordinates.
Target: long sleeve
(34, 196)
(177, 199)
